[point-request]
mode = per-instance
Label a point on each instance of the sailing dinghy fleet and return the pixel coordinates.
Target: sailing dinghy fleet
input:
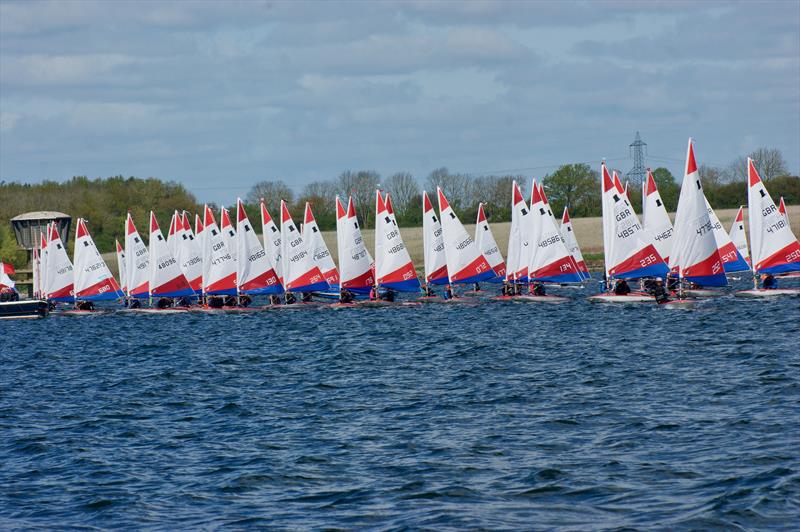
(224, 266)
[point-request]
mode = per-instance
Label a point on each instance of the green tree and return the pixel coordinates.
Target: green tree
(576, 186)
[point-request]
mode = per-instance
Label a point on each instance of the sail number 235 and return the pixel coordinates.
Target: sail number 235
(648, 260)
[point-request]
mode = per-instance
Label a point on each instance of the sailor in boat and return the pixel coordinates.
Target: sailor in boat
(673, 283)
(244, 301)
(373, 294)
(769, 282)
(134, 303)
(230, 301)
(537, 289)
(183, 301)
(622, 288)
(659, 291)
(477, 287)
(448, 292)
(274, 299)
(85, 305)
(8, 293)
(164, 302)
(215, 302)
(388, 295)
(506, 289)
(289, 298)
(427, 291)
(346, 296)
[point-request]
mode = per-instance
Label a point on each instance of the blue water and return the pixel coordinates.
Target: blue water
(443, 417)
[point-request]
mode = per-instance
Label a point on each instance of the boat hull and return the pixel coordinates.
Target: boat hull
(540, 299)
(172, 310)
(633, 297)
(20, 310)
(762, 293)
(701, 292)
(679, 304)
(77, 313)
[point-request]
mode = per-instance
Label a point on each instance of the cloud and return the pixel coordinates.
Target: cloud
(199, 91)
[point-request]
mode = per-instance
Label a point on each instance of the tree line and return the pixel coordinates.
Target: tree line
(105, 202)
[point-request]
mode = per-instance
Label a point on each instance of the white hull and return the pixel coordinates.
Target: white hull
(635, 297)
(761, 293)
(155, 310)
(679, 304)
(541, 299)
(702, 292)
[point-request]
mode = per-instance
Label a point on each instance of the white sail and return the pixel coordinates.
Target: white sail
(93, 279)
(318, 249)
(738, 236)
(60, 272)
(774, 247)
(695, 254)
(433, 244)
(138, 266)
(272, 241)
(657, 221)
(356, 266)
(487, 245)
(121, 264)
(519, 236)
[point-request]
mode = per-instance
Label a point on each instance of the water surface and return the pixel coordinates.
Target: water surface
(446, 417)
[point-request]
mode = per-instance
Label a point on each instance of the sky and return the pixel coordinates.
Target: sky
(220, 95)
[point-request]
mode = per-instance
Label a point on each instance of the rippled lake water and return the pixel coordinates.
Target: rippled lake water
(498, 415)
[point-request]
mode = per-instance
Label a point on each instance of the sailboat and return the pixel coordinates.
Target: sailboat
(394, 269)
(433, 245)
(655, 219)
(695, 254)
(228, 232)
(629, 249)
(518, 239)
(732, 261)
(166, 278)
(173, 235)
(486, 244)
(550, 260)
(301, 274)
(738, 236)
(43, 238)
(774, 247)
(93, 279)
(60, 272)
(219, 277)
(35, 272)
(189, 254)
(465, 263)
(121, 262)
(138, 262)
(318, 249)
(341, 219)
(254, 273)
(272, 242)
(356, 267)
(568, 234)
